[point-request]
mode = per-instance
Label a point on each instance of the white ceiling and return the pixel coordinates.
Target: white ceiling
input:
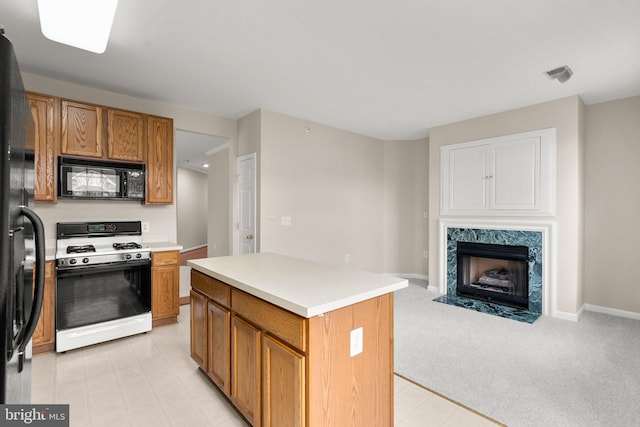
(387, 69)
(192, 149)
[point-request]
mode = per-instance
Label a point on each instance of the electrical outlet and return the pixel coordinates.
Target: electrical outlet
(145, 227)
(357, 336)
(285, 220)
(347, 258)
(272, 214)
(425, 254)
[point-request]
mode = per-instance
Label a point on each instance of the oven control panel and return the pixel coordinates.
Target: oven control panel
(83, 260)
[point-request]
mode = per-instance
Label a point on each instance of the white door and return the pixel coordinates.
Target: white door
(247, 204)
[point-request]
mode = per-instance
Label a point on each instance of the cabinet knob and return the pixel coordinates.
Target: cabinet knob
(488, 177)
(249, 236)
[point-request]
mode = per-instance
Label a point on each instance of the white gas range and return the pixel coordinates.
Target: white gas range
(103, 283)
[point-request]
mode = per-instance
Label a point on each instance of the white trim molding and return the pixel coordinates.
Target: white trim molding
(612, 311)
(549, 252)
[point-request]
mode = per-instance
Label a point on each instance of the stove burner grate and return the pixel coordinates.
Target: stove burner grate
(80, 249)
(128, 245)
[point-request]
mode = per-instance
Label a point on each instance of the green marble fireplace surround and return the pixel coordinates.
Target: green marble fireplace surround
(533, 237)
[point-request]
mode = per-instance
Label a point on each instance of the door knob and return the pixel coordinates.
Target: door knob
(249, 236)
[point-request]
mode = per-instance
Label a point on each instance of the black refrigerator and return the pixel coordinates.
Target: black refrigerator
(22, 254)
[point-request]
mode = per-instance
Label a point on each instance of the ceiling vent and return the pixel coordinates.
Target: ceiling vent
(562, 74)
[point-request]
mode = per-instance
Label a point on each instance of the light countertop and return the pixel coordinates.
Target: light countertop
(163, 246)
(303, 287)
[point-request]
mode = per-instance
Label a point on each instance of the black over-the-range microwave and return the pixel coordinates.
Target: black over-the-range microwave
(95, 179)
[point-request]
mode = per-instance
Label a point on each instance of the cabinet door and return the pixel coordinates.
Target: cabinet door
(81, 129)
(44, 334)
(245, 369)
(283, 379)
(165, 291)
(219, 346)
(516, 171)
(507, 175)
(199, 329)
(45, 142)
(467, 178)
(125, 135)
(159, 160)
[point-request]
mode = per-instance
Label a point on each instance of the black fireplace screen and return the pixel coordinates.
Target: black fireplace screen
(496, 273)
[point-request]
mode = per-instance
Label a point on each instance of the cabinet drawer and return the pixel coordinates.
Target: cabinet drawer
(289, 327)
(216, 290)
(164, 258)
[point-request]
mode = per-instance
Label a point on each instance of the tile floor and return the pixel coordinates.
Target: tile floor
(150, 380)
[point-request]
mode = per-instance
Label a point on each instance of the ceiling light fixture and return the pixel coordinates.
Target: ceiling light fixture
(205, 165)
(562, 74)
(78, 23)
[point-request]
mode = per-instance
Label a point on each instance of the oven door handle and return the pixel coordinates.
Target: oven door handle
(38, 230)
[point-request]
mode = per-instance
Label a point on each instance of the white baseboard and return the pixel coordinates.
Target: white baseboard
(433, 288)
(574, 317)
(612, 311)
(410, 276)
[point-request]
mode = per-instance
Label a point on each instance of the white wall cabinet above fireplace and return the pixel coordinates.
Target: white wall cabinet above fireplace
(508, 175)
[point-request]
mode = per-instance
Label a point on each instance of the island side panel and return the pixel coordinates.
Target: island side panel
(358, 390)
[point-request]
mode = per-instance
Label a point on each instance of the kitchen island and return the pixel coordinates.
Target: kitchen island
(292, 342)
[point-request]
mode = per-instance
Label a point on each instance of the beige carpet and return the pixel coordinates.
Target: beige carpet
(550, 373)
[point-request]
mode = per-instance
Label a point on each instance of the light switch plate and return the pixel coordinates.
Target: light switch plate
(357, 336)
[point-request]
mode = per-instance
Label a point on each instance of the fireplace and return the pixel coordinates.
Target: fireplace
(497, 246)
(494, 273)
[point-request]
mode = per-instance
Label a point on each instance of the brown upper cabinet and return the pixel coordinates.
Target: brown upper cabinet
(79, 129)
(45, 110)
(82, 130)
(125, 135)
(159, 160)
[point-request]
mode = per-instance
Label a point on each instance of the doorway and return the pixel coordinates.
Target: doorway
(193, 197)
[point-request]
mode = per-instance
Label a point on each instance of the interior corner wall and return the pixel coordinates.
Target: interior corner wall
(612, 204)
(218, 233)
(330, 182)
(406, 200)
(192, 206)
(563, 114)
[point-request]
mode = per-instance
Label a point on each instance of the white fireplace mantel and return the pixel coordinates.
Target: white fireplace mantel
(549, 251)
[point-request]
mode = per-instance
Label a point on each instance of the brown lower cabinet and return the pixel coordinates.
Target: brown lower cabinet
(44, 336)
(281, 369)
(218, 341)
(165, 287)
(245, 371)
(283, 384)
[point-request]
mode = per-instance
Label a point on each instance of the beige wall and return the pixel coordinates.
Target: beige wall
(330, 182)
(345, 193)
(566, 115)
(192, 205)
(406, 201)
(612, 204)
(162, 219)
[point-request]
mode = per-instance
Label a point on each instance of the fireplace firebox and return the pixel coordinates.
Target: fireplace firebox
(493, 273)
